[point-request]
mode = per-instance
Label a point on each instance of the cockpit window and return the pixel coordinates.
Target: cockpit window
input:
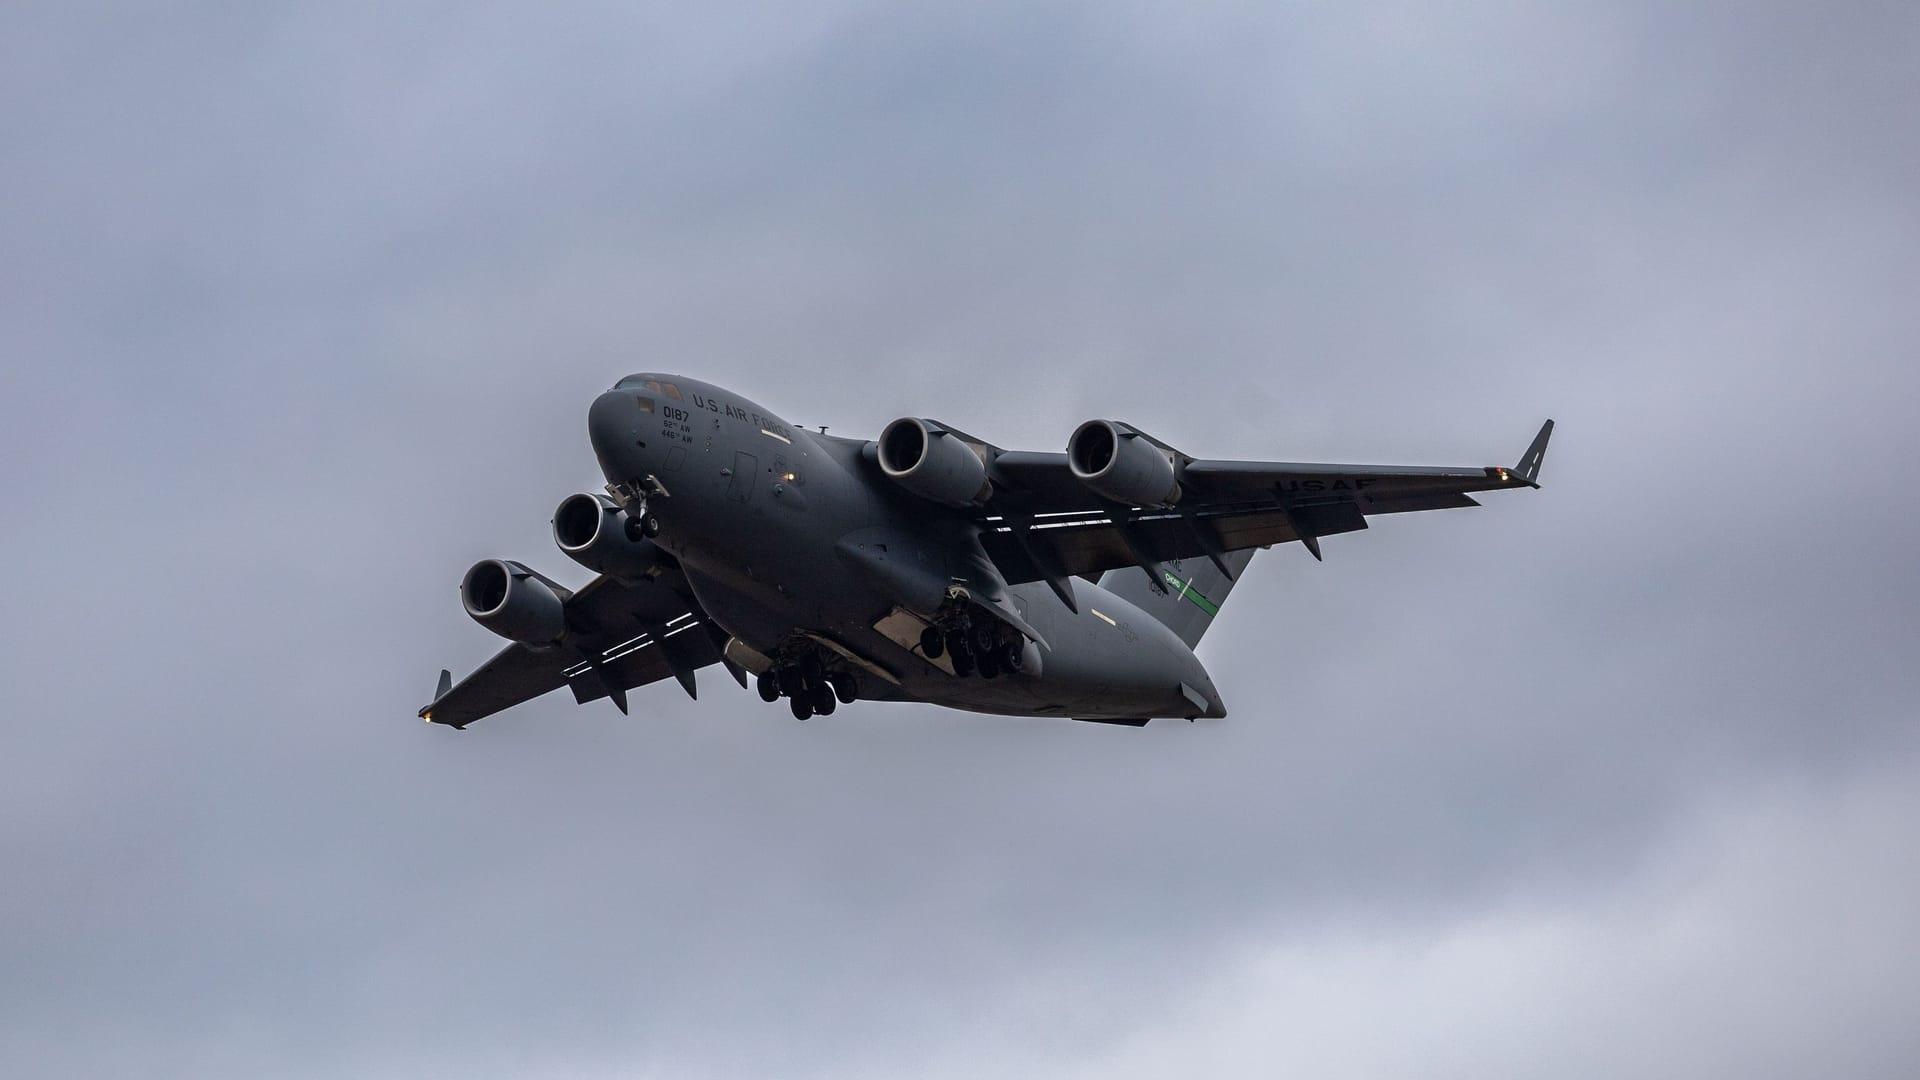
(647, 382)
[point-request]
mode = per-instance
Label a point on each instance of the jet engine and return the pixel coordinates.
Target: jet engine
(514, 602)
(1123, 464)
(594, 532)
(933, 463)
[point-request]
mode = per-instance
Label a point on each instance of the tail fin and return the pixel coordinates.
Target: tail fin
(1194, 590)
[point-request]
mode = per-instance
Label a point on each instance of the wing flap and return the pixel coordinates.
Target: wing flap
(682, 650)
(1090, 544)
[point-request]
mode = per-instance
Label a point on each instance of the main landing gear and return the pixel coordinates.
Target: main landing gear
(987, 648)
(811, 689)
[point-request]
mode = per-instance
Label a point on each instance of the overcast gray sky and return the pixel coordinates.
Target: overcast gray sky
(301, 312)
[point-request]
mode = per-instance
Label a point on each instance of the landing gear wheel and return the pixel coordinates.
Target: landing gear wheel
(789, 681)
(960, 658)
(984, 640)
(823, 700)
(635, 531)
(812, 670)
(933, 644)
(649, 525)
(1010, 656)
(768, 688)
(801, 706)
(844, 688)
(989, 663)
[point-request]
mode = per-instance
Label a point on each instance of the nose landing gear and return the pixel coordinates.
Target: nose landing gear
(632, 496)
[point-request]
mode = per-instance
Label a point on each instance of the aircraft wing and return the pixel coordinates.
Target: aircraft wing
(620, 636)
(1044, 525)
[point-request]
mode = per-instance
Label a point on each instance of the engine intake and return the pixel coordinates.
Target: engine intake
(933, 463)
(1123, 464)
(595, 532)
(514, 602)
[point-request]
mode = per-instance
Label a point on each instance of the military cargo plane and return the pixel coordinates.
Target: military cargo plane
(925, 565)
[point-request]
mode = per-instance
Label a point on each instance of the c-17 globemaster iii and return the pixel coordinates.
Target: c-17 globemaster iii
(924, 565)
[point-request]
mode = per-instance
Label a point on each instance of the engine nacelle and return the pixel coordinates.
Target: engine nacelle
(514, 602)
(933, 463)
(1123, 464)
(597, 534)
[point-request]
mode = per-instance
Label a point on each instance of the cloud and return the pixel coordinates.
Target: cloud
(304, 313)
(1751, 941)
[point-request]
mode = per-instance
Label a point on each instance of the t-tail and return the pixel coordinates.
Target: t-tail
(1189, 592)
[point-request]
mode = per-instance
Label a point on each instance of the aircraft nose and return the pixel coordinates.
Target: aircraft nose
(613, 425)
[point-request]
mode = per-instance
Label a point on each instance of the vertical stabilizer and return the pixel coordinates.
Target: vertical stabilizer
(1193, 591)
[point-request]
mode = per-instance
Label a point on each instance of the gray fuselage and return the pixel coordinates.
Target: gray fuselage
(786, 535)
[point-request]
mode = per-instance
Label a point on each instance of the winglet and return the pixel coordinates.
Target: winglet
(1528, 471)
(440, 691)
